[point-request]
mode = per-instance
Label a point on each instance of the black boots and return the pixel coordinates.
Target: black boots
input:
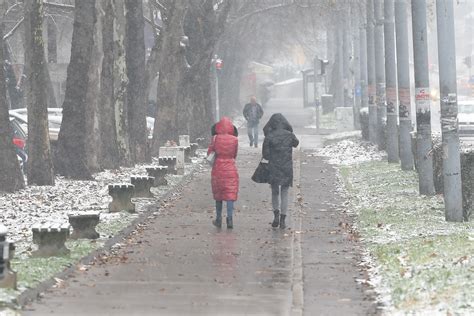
(282, 221)
(217, 222)
(276, 220)
(230, 223)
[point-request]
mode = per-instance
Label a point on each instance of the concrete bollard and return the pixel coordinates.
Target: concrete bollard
(142, 185)
(158, 173)
(194, 148)
(8, 277)
(121, 198)
(169, 162)
(84, 224)
(184, 141)
(175, 151)
(50, 238)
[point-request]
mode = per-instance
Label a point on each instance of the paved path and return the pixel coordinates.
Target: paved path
(179, 264)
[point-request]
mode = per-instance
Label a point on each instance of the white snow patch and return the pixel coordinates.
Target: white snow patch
(350, 152)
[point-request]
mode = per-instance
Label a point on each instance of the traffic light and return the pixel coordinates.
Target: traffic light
(467, 61)
(323, 64)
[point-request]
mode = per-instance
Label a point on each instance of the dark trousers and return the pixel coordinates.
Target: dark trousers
(252, 130)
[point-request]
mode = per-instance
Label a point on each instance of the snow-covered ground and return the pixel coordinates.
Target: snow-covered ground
(350, 151)
(35, 204)
(418, 263)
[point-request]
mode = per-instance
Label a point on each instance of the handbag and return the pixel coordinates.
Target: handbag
(211, 158)
(262, 173)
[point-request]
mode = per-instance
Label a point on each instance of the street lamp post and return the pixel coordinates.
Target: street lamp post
(217, 63)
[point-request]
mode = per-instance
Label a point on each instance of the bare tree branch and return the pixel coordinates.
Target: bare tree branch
(56, 5)
(153, 24)
(13, 30)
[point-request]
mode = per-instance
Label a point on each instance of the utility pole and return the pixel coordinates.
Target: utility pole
(449, 111)
(371, 72)
(317, 91)
(380, 72)
(217, 63)
(424, 144)
(391, 81)
(363, 61)
(403, 76)
(356, 64)
(340, 63)
(346, 48)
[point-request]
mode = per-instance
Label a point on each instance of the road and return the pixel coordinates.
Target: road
(179, 264)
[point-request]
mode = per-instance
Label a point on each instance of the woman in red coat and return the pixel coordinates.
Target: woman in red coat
(224, 177)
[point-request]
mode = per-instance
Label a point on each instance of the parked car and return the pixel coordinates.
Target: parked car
(55, 116)
(19, 140)
(466, 117)
(54, 121)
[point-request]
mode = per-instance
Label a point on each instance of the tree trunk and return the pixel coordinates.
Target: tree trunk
(93, 98)
(14, 95)
(171, 67)
(203, 25)
(121, 84)
(115, 143)
(71, 158)
(11, 178)
(52, 41)
(52, 103)
(137, 99)
(40, 166)
(109, 149)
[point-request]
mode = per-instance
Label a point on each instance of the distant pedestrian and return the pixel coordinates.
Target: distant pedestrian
(278, 150)
(253, 112)
(224, 176)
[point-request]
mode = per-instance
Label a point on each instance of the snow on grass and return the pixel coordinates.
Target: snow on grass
(23, 209)
(421, 263)
(350, 151)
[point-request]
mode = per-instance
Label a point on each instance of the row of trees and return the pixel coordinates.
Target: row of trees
(111, 74)
(381, 75)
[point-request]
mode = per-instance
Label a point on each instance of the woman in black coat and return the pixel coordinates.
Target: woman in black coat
(278, 150)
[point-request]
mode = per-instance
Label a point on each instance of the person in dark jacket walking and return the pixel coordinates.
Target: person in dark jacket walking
(224, 176)
(253, 112)
(278, 150)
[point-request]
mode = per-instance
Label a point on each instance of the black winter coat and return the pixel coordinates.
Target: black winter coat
(278, 149)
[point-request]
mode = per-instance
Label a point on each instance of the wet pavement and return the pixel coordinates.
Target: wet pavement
(177, 263)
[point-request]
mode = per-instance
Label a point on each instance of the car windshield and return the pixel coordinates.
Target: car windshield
(466, 108)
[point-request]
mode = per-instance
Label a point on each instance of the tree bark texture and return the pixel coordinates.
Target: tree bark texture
(115, 148)
(11, 178)
(15, 96)
(121, 84)
(172, 64)
(93, 98)
(52, 41)
(137, 99)
(71, 158)
(40, 166)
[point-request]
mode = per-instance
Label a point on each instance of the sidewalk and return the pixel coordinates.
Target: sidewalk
(179, 264)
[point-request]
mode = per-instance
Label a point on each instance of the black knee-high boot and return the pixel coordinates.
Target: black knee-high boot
(282, 221)
(276, 219)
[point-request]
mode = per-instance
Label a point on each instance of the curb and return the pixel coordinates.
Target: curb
(297, 285)
(32, 294)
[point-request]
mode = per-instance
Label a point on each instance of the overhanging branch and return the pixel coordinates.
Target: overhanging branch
(13, 30)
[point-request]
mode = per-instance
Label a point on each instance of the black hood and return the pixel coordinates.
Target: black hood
(276, 122)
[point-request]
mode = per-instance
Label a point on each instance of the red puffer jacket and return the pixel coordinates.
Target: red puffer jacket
(224, 177)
